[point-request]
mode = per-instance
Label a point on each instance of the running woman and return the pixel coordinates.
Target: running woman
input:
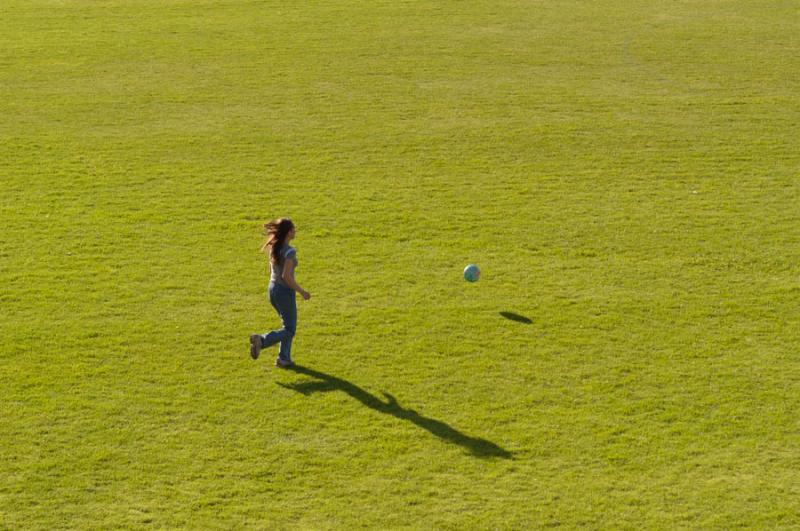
(282, 289)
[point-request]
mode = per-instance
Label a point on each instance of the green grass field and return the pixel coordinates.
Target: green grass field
(626, 174)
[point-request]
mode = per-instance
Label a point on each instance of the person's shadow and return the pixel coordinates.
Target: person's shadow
(326, 382)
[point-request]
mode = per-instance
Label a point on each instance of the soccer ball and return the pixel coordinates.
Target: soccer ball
(472, 273)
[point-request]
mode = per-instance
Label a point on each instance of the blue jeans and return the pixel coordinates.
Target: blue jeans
(285, 303)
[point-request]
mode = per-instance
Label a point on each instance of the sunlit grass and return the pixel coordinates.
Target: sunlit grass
(624, 173)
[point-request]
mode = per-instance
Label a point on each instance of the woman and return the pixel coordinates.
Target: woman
(282, 288)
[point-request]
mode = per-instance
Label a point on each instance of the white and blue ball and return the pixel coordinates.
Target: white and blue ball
(472, 273)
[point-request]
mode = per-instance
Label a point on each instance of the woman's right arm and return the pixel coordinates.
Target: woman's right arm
(288, 278)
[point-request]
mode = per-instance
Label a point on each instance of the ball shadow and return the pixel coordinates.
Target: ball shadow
(516, 317)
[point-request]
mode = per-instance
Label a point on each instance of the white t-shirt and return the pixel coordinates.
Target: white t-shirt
(287, 252)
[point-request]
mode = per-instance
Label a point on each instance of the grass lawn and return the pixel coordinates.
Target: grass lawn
(625, 173)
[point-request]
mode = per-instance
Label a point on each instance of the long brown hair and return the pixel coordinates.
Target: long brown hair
(276, 231)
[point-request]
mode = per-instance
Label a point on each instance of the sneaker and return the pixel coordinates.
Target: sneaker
(255, 346)
(283, 364)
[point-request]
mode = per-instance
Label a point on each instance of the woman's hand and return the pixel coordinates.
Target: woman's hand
(306, 295)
